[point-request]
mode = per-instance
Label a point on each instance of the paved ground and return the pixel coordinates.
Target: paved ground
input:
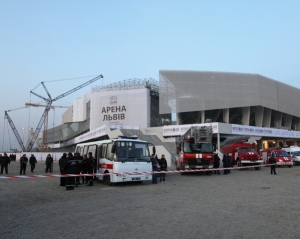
(244, 204)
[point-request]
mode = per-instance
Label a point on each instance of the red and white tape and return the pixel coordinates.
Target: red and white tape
(130, 173)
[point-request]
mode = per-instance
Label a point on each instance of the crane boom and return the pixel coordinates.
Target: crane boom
(78, 87)
(49, 101)
(12, 125)
(37, 131)
(39, 96)
(46, 91)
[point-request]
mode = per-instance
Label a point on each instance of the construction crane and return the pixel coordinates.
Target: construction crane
(49, 101)
(31, 130)
(13, 127)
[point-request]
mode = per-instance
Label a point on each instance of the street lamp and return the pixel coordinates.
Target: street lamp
(23, 138)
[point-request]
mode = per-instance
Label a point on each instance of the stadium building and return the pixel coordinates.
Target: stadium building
(237, 105)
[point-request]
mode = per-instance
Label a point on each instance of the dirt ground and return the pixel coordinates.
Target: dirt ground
(244, 204)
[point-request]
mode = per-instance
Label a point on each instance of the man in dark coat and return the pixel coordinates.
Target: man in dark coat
(226, 163)
(49, 161)
(163, 167)
(84, 168)
(23, 162)
(154, 169)
(90, 168)
(217, 163)
(32, 162)
(5, 161)
(79, 167)
(70, 166)
(272, 160)
(63, 160)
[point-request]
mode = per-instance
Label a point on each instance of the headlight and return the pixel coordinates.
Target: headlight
(280, 160)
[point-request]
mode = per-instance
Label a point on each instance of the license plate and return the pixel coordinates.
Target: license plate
(199, 166)
(136, 178)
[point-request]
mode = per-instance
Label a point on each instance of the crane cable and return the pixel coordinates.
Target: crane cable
(3, 135)
(28, 123)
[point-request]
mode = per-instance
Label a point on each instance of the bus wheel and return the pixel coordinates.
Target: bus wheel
(107, 181)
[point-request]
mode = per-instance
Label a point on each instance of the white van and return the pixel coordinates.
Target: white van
(294, 151)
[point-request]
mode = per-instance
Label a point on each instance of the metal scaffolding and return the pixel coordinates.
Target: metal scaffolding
(131, 84)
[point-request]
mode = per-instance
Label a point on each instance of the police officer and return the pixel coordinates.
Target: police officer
(70, 166)
(32, 162)
(23, 162)
(49, 161)
(163, 167)
(90, 168)
(154, 169)
(63, 160)
(84, 169)
(226, 163)
(272, 161)
(79, 167)
(216, 163)
(5, 161)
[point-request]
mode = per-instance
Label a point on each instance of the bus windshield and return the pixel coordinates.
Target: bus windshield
(131, 151)
(296, 153)
(197, 147)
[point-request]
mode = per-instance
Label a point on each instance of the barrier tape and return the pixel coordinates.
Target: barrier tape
(130, 173)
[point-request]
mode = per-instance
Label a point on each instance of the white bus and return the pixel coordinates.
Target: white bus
(127, 158)
(294, 152)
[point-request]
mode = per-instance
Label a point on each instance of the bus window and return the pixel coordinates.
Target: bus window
(109, 155)
(85, 150)
(92, 148)
(103, 153)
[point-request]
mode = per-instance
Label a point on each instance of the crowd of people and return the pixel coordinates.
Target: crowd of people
(76, 164)
(159, 165)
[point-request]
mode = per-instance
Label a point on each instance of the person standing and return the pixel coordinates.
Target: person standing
(49, 161)
(226, 163)
(79, 167)
(273, 162)
(154, 169)
(32, 162)
(5, 161)
(84, 170)
(216, 163)
(63, 160)
(163, 167)
(23, 162)
(70, 167)
(90, 168)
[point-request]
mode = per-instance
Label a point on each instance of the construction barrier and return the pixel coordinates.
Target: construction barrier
(131, 173)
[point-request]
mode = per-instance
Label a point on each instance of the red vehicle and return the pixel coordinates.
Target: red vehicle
(195, 149)
(243, 154)
(281, 156)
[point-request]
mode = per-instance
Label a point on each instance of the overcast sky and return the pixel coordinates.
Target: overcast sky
(53, 40)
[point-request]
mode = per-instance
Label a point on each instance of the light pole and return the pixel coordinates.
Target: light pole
(23, 138)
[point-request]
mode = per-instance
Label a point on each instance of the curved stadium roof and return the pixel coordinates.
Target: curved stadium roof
(187, 91)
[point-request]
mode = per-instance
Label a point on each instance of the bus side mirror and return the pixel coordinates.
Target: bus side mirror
(153, 150)
(113, 149)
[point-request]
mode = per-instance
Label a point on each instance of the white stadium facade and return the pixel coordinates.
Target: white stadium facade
(238, 106)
